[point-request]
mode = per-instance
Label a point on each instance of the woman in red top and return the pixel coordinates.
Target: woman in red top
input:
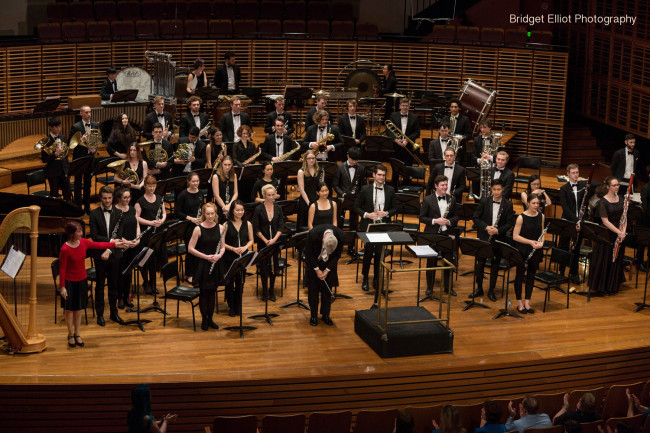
(73, 284)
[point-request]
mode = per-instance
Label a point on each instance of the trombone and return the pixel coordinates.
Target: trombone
(390, 126)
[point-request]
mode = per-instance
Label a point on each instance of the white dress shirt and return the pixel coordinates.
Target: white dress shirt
(231, 77)
(442, 205)
(236, 123)
(495, 212)
(629, 164)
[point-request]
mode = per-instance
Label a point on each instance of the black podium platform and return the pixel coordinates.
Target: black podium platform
(407, 339)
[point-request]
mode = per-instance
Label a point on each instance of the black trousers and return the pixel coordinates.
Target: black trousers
(494, 270)
(565, 244)
(431, 275)
(318, 287)
(529, 277)
(78, 197)
(124, 286)
(107, 272)
(61, 181)
(371, 251)
(233, 293)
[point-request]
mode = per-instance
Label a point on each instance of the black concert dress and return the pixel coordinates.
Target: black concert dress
(207, 281)
(269, 229)
(234, 238)
(259, 183)
(188, 204)
(149, 211)
(606, 276)
(323, 216)
(136, 193)
(240, 155)
(531, 228)
(311, 190)
(129, 231)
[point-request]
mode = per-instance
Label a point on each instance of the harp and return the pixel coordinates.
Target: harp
(19, 222)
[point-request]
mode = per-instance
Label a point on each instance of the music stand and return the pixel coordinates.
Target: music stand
(511, 254)
(348, 142)
(207, 93)
(134, 264)
(155, 243)
(251, 172)
(373, 102)
(466, 213)
(480, 250)
(378, 148)
(643, 238)
(347, 204)
(127, 95)
(444, 243)
(161, 187)
(298, 241)
(266, 253)
(80, 166)
(473, 175)
(300, 95)
(47, 105)
(554, 195)
(237, 269)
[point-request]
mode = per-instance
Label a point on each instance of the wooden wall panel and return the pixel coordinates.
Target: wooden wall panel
(244, 51)
(640, 111)
(126, 54)
(306, 63)
(207, 50)
(336, 56)
(480, 62)
(545, 139)
(513, 99)
(412, 61)
(618, 106)
(3, 80)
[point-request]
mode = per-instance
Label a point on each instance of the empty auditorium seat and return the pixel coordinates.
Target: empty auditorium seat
(171, 29)
(293, 26)
(123, 30)
(342, 11)
(271, 10)
(244, 28)
(541, 39)
(468, 35)
(105, 10)
(492, 36)
(147, 29)
(367, 31)
(175, 10)
(319, 29)
(342, 29)
(442, 34)
(224, 10)
(199, 10)
(129, 10)
(58, 12)
(295, 10)
(318, 10)
(269, 28)
(49, 33)
(73, 32)
(152, 9)
(82, 11)
(98, 31)
(248, 10)
(196, 29)
(516, 38)
(220, 29)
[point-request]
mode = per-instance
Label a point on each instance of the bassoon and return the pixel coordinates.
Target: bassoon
(622, 225)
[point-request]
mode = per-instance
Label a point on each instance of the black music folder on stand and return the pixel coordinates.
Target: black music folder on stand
(284, 169)
(643, 238)
(51, 103)
(511, 254)
(138, 261)
(155, 243)
(378, 148)
(251, 172)
(480, 250)
(266, 253)
(298, 241)
(207, 93)
(127, 95)
(237, 269)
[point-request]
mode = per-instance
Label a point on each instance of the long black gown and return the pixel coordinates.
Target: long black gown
(234, 238)
(149, 211)
(311, 189)
(531, 228)
(129, 232)
(207, 281)
(323, 216)
(606, 276)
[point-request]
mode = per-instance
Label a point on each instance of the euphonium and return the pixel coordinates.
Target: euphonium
(93, 140)
(49, 146)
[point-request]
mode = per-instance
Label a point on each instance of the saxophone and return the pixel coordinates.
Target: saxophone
(445, 214)
(254, 156)
(217, 161)
(225, 226)
(287, 155)
(321, 146)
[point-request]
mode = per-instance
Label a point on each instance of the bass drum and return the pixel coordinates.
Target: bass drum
(477, 102)
(134, 78)
(180, 80)
(364, 79)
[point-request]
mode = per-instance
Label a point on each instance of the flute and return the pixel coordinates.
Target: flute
(540, 239)
(223, 235)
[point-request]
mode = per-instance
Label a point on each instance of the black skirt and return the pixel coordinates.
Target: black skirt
(77, 295)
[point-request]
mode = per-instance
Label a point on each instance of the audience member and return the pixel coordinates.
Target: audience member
(404, 422)
(585, 410)
(572, 426)
(633, 403)
(528, 416)
(449, 421)
(140, 419)
(491, 419)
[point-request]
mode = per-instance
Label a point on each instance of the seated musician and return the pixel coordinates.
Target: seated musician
(84, 126)
(438, 214)
(452, 170)
(321, 104)
(458, 123)
(158, 115)
(196, 155)
(388, 86)
(277, 143)
(122, 135)
(375, 204)
(231, 121)
(193, 118)
(269, 124)
(110, 85)
(197, 78)
(160, 169)
(350, 177)
(438, 146)
(353, 125)
(500, 171)
(56, 166)
(318, 132)
(228, 75)
(493, 217)
(409, 124)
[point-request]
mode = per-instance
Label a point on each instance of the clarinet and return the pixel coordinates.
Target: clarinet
(540, 239)
(159, 213)
(445, 215)
(117, 226)
(200, 211)
(496, 223)
(225, 227)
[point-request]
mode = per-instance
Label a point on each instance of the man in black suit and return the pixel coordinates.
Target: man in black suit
(571, 196)
(493, 217)
(479, 143)
(197, 160)
(458, 123)
(319, 131)
(193, 118)
(388, 86)
(452, 170)
(353, 125)
(321, 104)
(159, 169)
(438, 214)
(83, 127)
(228, 75)
(322, 253)
(110, 85)
(376, 203)
(103, 222)
(409, 124)
(269, 124)
(438, 146)
(625, 162)
(500, 171)
(277, 144)
(350, 177)
(158, 115)
(56, 166)
(231, 121)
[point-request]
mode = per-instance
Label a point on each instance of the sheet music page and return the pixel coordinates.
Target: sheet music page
(422, 250)
(146, 257)
(378, 237)
(13, 262)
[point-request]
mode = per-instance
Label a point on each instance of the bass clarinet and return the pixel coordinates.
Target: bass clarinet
(223, 235)
(583, 206)
(540, 239)
(622, 225)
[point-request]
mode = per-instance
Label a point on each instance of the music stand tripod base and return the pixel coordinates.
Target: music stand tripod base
(238, 268)
(266, 253)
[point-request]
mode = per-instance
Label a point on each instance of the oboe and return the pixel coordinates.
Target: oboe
(444, 215)
(540, 239)
(223, 235)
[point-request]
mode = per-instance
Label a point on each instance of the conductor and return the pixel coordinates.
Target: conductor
(322, 253)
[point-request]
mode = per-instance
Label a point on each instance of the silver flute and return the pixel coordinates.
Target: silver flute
(225, 227)
(540, 239)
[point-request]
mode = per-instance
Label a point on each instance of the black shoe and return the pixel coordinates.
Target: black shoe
(491, 296)
(115, 318)
(128, 303)
(232, 313)
(476, 293)
(100, 321)
(351, 252)
(212, 324)
(522, 311)
(453, 292)
(428, 292)
(364, 284)
(328, 321)
(643, 267)
(78, 342)
(120, 304)
(204, 324)
(374, 307)
(74, 342)
(576, 279)
(272, 297)
(313, 321)
(530, 311)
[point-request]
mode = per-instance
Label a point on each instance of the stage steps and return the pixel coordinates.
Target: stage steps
(579, 145)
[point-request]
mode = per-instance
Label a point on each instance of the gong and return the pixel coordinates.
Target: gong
(363, 79)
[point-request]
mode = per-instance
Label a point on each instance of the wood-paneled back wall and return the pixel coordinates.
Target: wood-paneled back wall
(531, 84)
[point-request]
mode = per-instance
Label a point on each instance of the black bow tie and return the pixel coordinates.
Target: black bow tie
(496, 202)
(87, 125)
(107, 210)
(196, 115)
(163, 115)
(405, 115)
(352, 166)
(353, 117)
(441, 198)
(279, 137)
(499, 169)
(235, 115)
(574, 185)
(378, 189)
(630, 153)
(322, 128)
(449, 166)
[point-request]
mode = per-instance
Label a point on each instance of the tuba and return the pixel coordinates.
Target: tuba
(49, 146)
(93, 140)
(124, 172)
(184, 152)
(490, 145)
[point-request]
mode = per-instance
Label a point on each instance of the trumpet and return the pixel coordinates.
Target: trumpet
(184, 152)
(390, 126)
(124, 172)
(205, 129)
(49, 146)
(94, 138)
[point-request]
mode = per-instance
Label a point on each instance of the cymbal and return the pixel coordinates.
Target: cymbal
(372, 100)
(116, 163)
(146, 143)
(394, 95)
(321, 92)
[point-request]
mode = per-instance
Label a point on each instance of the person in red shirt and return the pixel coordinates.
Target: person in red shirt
(73, 281)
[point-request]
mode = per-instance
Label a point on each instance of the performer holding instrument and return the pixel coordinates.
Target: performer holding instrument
(270, 127)
(189, 206)
(194, 118)
(216, 149)
(132, 173)
(54, 153)
(224, 185)
(535, 187)
(233, 120)
(459, 124)
(308, 178)
(322, 137)
(158, 154)
(189, 154)
(278, 145)
(244, 153)
(131, 232)
(268, 221)
(323, 210)
(86, 134)
(388, 86)
(453, 171)
(122, 135)
(266, 179)
(150, 213)
(409, 125)
(350, 177)
(158, 115)
(197, 78)
(353, 125)
(239, 240)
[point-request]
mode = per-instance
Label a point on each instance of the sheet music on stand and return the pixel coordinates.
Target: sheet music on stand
(13, 262)
(146, 256)
(378, 237)
(422, 250)
(253, 255)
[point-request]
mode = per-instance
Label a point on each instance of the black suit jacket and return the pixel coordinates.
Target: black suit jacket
(568, 200)
(54, 167)
(312, 134)
(81, 151)
(618, 162)
(221, 77)
(228, 128)
(463, 126)
(199, 162)
(98, 231)
(429, 211)
(269, 123)
(508, 178)
(455, 184)
(107, 90)
(313, 249)
(435, 151)
(309, 117)
(477, 149)
(270, 149)
(412, 126)
(164, 172)
(365, 204)
(151, 119)
(346, 128)
(342, 183)
(483, 218)
(187, 121)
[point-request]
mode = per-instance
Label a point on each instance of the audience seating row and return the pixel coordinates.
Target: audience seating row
(471, 35)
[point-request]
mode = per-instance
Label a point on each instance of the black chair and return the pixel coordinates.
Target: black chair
(37, 178)
(526, 163)
(256, 102)
(178, 292)
(102, 168)
(401, 170)
(554, 279)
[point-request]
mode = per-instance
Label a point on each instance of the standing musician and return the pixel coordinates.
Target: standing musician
(317, 132)
(188, 207)
(56, 170)
(322, 253)
(135, 163)
(207, 248)
(309, 176)
(197, 158)
(73, 280)
(571, 196)
(233, 120)
(375, 204)
(150, 213)
(458, 123)
(388, 85)
(83, 127)
(131, 230)
(268, 221)
(266, 179)
(408, 123)
(110, 85)
(535, 187)
(244, 153)
(197, 78)
(269, 124)
(159, 168)
(494, 218)
(228, 75)
(122, 135)
(193, 118)
(350, 177)
(239, 239)
(438, 214)
(321, 104)
(213, 149)
(452, 170)
(500, 171)
(352, 124)
(528, 230)
(438, 146)
(625, 162)
(480, 140)
(104, 227)
(158, 115)
(224, 185)
(277, 143)
(322, 210)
